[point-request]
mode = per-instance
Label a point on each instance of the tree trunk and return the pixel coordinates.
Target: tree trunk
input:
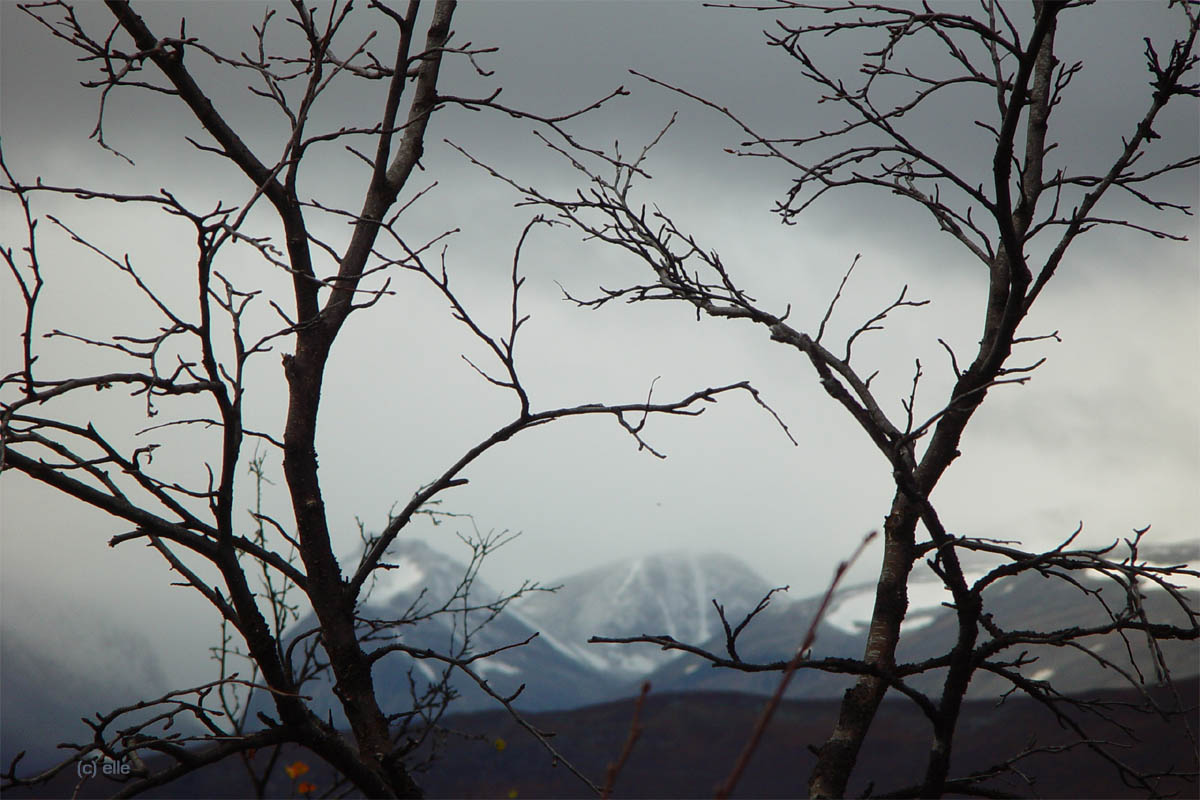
(837, 756)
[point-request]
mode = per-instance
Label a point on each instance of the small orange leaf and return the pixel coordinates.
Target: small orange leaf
(500, 744)
(296, 769)
(306, 788)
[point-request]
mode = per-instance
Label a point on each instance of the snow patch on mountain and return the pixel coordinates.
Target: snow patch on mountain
(402, 575)
(426, 670)
(493, 666)
(851, 608)
(665, 594)
(581, 654)
(1183, 582)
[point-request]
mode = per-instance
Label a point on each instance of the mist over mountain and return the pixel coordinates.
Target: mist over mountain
(43, 697)
(669, 593)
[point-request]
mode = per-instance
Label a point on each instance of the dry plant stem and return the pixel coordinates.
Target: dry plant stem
(760, 727)
(635, 732)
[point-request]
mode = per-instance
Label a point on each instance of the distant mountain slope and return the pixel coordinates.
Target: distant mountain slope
(43, 696)
(1026, 602)
(425, 579)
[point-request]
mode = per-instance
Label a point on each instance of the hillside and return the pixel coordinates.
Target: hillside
(690, 741)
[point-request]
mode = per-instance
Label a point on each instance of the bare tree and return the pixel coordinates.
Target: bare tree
(1016, 212)
(195, 370)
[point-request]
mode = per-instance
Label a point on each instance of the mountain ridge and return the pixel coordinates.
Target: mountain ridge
(667, 593)
(673, 593)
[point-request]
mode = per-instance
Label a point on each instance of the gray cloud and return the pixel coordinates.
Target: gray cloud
(1106, 431)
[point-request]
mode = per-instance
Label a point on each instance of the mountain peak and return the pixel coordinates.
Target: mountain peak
(664, 593)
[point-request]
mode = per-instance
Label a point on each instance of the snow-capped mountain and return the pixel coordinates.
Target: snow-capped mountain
(668, 593)
(664, 594)
(672, 594)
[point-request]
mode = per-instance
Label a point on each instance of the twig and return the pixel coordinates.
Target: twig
(760, 727)
(635, 731)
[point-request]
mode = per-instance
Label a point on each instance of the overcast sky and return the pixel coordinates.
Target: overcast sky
(1107, 432)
